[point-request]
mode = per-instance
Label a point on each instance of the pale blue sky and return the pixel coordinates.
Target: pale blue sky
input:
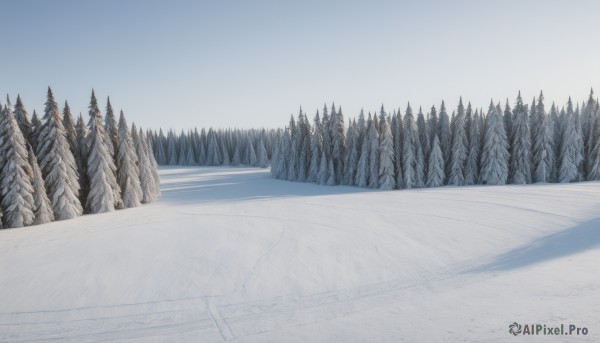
(216, 63)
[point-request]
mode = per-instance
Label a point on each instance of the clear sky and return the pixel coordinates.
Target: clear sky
(178, 64)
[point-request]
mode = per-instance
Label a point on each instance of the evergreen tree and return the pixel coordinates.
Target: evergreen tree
(409, 149)
(386, 157)
(81, 159)
(435, 172)
(57, 164)
(373, 138)
(570, 155)
(473, 157)
(459, 148)
(104, 195)
(397, 132)
(112, 134)
(543, 144)
(236, 158)
(69, 125)
(42, 208)
(351, 158)
(15, 176)
(36, 126)
(128, 173)
(494, 156)
(521, 145)
(148, 183)
(445, 136)
(316, 144)
(323, 176)
(23, 119)
(262, 155)
(362, 171)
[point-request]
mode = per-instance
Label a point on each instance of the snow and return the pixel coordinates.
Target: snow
(233, 254)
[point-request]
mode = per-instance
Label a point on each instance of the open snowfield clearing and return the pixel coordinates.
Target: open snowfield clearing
(232, 254)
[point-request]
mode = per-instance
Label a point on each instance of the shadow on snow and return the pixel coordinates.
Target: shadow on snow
(585, 236)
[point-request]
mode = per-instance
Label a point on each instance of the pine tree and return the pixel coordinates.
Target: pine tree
(128, 173)
(174, 154)
(331, 173)
(15, 176)
(543, 144)
(494, 156)
(81, 159)
(236, 158)
(262, 155)
(520, 158)
(435, 172)
(36, 126)
(57, 164)
(23, 119)
(373, 138)
(423, 135)
(104, 195)
(570, 155)
(323, 176)
(386, 157)
(473, 157)
(459, 148)
(112, 134)
(397, 132)
(315, 147)
(362, 171)
(42, 208)
(445, 136)
(69, 125)
(147, 181)
(351, 158)
(409, 149)
(593, 163)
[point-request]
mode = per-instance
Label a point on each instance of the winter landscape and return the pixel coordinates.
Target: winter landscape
(215, 196)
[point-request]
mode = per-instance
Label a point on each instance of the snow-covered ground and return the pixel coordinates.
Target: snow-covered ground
(232, 254)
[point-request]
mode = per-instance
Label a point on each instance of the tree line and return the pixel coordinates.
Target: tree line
(57, 168)
(519, 145)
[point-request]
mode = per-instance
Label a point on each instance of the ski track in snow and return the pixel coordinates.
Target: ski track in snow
(215, 318)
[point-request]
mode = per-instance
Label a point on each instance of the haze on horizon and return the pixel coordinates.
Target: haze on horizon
(180, 64)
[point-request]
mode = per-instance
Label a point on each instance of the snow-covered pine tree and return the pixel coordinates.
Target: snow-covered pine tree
(445, 137)
(386, 157)
(42, 208)
(473, 157)
(361, 178)
(316, 143)
(153, 165)
(183, 150)
(351, 158)
(172, 149)
(147, 181)
(373, 138)
(15, 176)
(543, 144)
(435, 172)
(323, 175)
(570, 154)
(81, 159)
(593, 163)
(236, 159)
(580, 145)
(262, 155)
(36, 126)
(458, 156)
(110, 127)
(494, 155)
(105, 193)
(331, 173)
(409, 149)
(422, 127)
(23, 119)
(520, 159)
(252, 154)
(294, 156)
(397, 132)
(128, 173)
(507, 118)
(161, 152)
(69, 125)
(57, 164)
(225, 155)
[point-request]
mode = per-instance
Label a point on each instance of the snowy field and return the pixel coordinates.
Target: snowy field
(234, 255)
